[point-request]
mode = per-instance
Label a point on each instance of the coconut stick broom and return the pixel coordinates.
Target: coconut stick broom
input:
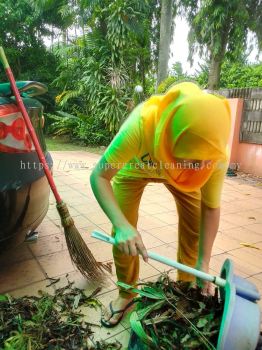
(79, 252)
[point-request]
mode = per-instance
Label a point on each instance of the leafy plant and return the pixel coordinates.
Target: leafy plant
(174, 315)
(89, 131)
(62, 124)
(92, 132)
(49, 321)
(219, 30)
(99, 70)
(165, 85)
(234, 75)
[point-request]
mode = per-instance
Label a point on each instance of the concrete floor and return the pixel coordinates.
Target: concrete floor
(26, 269)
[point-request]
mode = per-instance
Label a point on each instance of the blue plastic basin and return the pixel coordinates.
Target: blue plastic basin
(240, 324)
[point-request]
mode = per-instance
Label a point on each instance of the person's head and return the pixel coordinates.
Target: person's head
(189, 126)
(197, 125)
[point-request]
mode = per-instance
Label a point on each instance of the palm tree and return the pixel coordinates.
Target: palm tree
(165, 39)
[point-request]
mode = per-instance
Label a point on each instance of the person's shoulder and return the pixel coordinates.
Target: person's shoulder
(133, 118)
(136, 112)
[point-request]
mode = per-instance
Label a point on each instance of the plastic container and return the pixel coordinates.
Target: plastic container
(240, 325)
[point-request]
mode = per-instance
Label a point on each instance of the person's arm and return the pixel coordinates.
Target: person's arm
(102, 189)
(124, 147)
(209, 224)
(128, 239)
(210, 216)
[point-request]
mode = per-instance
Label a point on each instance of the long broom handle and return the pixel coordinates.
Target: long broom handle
(28, 123)
(197, 273)
(221, 282)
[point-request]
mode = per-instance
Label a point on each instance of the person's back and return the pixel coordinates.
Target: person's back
(179, 139)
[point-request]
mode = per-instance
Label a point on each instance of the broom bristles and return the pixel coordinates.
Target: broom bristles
(80, 254)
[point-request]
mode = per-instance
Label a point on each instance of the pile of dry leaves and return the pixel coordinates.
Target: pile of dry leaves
(175, 315)
(168, 316)
(49, 322)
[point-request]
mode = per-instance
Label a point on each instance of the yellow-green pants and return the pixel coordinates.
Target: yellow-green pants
(128, 192)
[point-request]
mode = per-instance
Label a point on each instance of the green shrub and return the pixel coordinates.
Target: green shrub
(240, 76)
(89, 131)
(92, 132)
(165, 85)
(234, 75)
(61, 124)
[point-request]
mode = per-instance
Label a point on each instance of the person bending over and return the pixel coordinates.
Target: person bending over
(178, 139)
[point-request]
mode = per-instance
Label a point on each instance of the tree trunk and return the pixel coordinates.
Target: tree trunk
(18, 68)
(142, 72)
(64, 37)
(165, 39)
(103, 26)
(75, 28)
(214, 72)
(83, 32)
(52, 38)
(217, 60)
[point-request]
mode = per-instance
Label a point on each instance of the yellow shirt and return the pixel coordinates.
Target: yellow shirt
(128, 153)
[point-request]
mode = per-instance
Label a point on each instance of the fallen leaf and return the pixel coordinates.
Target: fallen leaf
(249, 245)
(3, 297)
(76, 301)
(186, 337)
(202, 322)
(93, 303)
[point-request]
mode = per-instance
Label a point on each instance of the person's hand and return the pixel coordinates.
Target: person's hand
(129, 242)
(208, 288)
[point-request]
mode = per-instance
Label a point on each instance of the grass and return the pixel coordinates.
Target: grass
(62, 144)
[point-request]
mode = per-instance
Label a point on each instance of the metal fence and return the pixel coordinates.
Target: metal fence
(251, 122)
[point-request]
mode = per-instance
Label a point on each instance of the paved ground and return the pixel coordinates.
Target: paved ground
(25, 271)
